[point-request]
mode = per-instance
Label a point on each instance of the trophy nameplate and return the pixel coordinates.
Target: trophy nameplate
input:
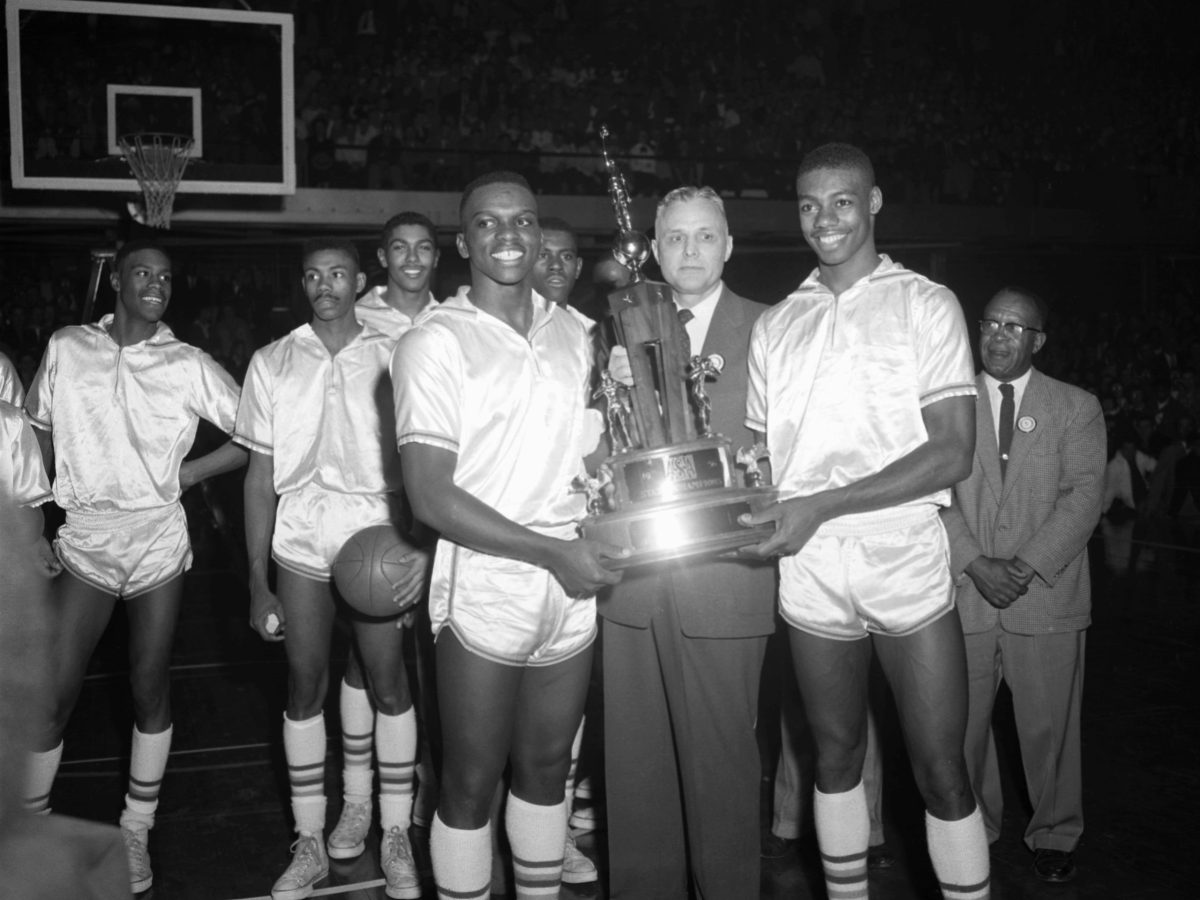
(671, 488)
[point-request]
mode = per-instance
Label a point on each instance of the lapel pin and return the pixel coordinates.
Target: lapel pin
(1027, 423)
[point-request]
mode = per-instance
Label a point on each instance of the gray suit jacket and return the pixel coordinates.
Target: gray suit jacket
(714, 597)
(1044, 511)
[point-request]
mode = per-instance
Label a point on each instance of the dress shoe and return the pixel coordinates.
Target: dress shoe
(1053, 866)
(776, 847)
(879, 856)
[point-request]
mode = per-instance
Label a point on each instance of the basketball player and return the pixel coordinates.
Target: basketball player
(863, 384)
(554, 275)
(11, 389)
(491, 391)
(408, 252)
(409, 255)
(318, 474)
(117, 404)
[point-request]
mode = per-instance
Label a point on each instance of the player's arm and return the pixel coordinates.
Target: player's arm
(260, 501)
(463, 518)
(941, 462)
(226, 458)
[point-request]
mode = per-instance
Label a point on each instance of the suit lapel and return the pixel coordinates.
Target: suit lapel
(727, 316)
(987, 450)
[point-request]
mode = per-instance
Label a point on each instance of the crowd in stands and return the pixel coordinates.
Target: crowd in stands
(1018, 104)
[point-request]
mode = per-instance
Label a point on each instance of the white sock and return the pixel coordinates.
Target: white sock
(148, 762)
(959, 852)
(42, 767)
(396, 750)
(358, 724)
(304, 747)
(462, 860)
(843, 831)
(536, 835)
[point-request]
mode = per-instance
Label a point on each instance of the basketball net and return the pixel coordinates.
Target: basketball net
(157, 161)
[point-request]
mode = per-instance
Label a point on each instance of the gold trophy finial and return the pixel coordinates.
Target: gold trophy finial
(630, 248)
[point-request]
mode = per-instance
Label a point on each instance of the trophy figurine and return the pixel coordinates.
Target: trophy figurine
(672, 489)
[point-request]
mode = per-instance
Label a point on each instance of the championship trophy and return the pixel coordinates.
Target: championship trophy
(671, 488)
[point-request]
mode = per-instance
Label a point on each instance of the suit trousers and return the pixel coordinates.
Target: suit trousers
(1044, 672)
(681, 761)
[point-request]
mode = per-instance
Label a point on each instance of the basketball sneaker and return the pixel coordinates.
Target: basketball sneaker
(399, 868)
(140, 876)
(577, 868)
(309, 865)
(349, 837)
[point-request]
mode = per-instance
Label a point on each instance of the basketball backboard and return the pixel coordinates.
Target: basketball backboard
(81, 74)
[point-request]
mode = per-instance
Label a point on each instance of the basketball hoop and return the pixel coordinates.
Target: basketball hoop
(157, 161)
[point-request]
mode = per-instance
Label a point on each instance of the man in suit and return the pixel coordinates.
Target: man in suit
(684, 641)
(1018, 530)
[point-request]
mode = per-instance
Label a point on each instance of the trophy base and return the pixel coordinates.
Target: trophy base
(703, 523)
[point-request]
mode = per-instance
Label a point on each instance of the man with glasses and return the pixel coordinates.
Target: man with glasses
(1019, 529)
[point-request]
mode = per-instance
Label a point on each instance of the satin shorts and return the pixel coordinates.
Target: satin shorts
(311, 525)
(509, 611)
(126, 553)
(889, 575)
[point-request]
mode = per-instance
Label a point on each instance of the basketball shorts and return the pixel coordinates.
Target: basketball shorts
(125, 553)
(886, 574)
(507, 610)
(312, 525)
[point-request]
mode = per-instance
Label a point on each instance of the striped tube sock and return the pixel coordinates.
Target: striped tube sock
(358, 723)
(959, 852)
(843, 830)
(304, 747)
(148, 762)
(396, 749)
(462, 861)
(43, 766)
(537, 835)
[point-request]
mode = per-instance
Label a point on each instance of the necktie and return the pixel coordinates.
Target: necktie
(685, 316)
(1007, 411)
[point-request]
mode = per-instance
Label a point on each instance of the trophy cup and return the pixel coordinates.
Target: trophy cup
(671, 488)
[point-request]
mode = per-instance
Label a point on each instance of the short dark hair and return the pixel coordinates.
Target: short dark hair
(131, 247)
(408, 217)
(837, 156)
(500, 176)
(316, 245)
(554, 223)
(1040, 306)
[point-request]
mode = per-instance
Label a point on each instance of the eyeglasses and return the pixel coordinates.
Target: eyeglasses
(1012, 329)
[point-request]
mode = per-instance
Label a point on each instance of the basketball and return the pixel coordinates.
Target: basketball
(367, 566)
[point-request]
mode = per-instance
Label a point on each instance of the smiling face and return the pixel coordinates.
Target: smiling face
(558, 265)
(331, 282)
(143, 285)
(500, 234)
(1004, 357)
(837, 216)
(692, 243)
(410, 258)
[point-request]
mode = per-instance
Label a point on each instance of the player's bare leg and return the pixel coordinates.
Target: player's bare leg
(153, 616)
(488, 709)
(395, 730)
(927, 671)
(79, 612)
(309, 612)
(832, 676)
